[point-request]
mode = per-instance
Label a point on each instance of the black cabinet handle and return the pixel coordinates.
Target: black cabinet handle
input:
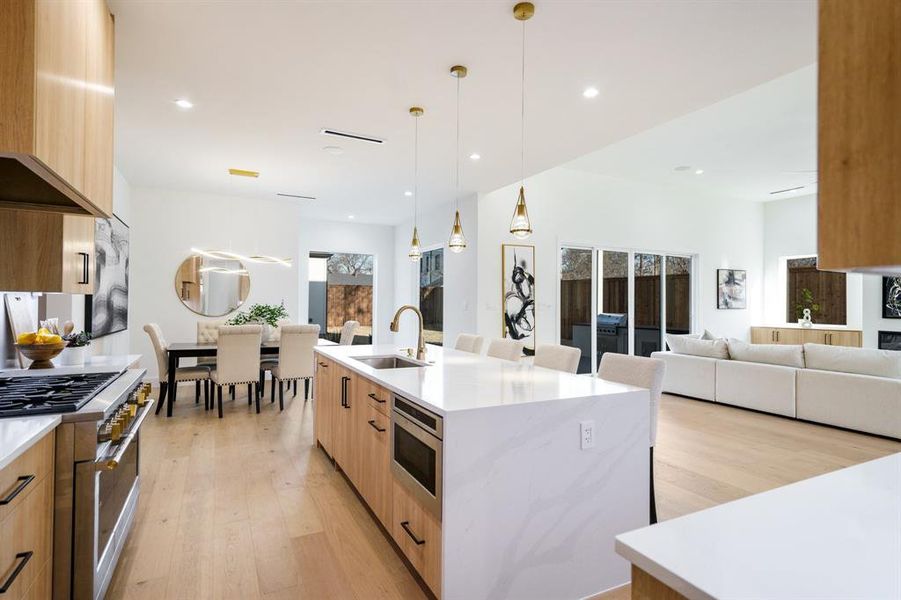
(376, 427)
(406, 526)
(344, 401)
(323, 365)
(85, 267)
(23, 558)
(24, 480)
(376, 398)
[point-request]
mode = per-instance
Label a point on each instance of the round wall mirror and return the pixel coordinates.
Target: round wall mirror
(212, 287)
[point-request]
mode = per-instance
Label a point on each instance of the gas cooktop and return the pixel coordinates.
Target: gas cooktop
(45, 394)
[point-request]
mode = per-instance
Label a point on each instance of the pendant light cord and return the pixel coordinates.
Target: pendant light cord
(522, 111)
(415, 166)
(457, 179)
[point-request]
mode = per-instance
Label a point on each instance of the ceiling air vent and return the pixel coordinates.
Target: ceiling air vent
(283, 195)
(791, 189)
(352, 136)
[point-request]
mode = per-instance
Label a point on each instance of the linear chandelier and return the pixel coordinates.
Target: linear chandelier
(257, 258)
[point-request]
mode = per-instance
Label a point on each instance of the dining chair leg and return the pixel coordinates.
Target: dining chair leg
(262, 384)
(281, 396)
(170, 403)
(162, 400)
(206, 394)
(197, 391)
(220, 401)
(272, 390)
(653, 507)
(295, 387)
(231, 390)
(258, 401)
(306, 389)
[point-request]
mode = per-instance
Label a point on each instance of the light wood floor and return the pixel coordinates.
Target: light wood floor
(246, 507)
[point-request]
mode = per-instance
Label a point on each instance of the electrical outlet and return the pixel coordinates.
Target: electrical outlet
(586, 434)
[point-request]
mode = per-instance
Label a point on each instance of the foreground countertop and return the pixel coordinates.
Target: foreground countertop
(836, 536)
(457, 381)
(18, 434)
(93, 364)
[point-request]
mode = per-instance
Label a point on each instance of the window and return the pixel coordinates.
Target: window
(340, 290)
(575, 302)
(431, 295)
(823, 292)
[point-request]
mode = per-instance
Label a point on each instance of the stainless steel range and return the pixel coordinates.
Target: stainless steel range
(97, 484)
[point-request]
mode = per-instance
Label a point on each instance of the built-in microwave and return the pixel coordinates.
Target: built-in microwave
(416, 451)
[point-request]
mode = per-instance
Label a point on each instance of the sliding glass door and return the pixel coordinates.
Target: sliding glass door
(629, 298)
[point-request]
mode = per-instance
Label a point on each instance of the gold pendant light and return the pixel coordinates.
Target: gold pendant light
(521, 226)
(415, 247)
(457, 241)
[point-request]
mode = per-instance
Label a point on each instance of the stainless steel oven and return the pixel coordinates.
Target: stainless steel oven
(97, 487)
(416, 451)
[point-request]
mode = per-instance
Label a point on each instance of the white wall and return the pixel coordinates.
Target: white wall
(460, 283)
(790, 229)
(575, 207)
(165, 224)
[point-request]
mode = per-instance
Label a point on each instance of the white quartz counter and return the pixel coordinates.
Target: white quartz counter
(92, 364)
(18, 434)
(458, 381)
(836, 536)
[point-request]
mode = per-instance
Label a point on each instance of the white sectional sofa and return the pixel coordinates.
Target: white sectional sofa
(854, 388)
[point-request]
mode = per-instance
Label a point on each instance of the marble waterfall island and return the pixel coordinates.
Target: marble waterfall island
(511, 504)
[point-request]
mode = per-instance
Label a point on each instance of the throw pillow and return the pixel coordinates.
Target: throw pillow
(862, 361)
(681, 344)
(771, 354)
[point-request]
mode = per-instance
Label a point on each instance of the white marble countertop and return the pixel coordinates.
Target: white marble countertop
(457, 381)
(832, 537)
(18, 434)
(92, 364)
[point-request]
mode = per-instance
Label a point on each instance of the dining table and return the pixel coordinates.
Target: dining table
(180, 350)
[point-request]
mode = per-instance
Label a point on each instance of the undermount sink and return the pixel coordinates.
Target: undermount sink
(388, 362)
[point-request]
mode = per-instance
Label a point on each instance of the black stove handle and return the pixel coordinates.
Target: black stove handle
(23, 480)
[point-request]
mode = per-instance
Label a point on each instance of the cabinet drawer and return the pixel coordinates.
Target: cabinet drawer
(27, 537)
(418, 534)
(376, 479)
(24, 473)
(378, 397)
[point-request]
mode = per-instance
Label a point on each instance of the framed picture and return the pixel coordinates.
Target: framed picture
(731, 289)
(518, 293)
(891, 297)
(106, 311)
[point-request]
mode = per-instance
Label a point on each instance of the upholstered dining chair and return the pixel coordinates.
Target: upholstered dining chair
(197, 374)
(468, 342)
(295, 360)
(266, 363)
(348, 331)
(643, 372)
(238, 360)
(506, 349)
(559, 358)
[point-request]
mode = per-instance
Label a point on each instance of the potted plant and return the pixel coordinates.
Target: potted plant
(76, 348)
(267, 315)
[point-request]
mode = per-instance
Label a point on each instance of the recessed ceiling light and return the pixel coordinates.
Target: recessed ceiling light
(350, 217)
(182, 103)
(591, 92)
(475, 156)
(408, 193)
(699, 172)
(335, 150)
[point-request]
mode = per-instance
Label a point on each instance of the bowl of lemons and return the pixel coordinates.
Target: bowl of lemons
(40, 346)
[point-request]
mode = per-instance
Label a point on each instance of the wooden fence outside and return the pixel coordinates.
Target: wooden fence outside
(828, 289)
(349, 303)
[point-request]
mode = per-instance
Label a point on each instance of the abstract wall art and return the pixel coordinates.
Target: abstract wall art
(891, 297)
(106, 311)
(518, 289)
(731, 289)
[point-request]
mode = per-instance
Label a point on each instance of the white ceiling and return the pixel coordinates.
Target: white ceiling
(760, 141)
(265, 77)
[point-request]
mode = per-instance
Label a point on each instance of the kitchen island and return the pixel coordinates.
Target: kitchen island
(480, 471)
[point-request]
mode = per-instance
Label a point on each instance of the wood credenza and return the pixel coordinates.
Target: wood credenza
(798, 335)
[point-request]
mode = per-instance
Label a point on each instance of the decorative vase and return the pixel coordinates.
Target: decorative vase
(267, 331)
(72, 356)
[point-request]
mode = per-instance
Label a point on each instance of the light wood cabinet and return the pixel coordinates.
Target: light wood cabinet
(46, 252)
(344, 425)
(859, 136)
(418, 534)
(797, 335)
(26, 522)
(56, 106)
(376, 480)
(324, 399)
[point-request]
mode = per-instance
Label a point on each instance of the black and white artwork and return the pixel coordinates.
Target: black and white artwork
(518, 286)
(731, 289)
(107, 310)
(891, 297)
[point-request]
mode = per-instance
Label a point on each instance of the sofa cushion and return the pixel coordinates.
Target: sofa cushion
(765, 387)
(693, 376)
(708, 336)
(859, 402)
(771, 354)
(862, 361)
(681, 344)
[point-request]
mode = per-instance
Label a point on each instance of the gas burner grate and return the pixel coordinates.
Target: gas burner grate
(48, 394)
